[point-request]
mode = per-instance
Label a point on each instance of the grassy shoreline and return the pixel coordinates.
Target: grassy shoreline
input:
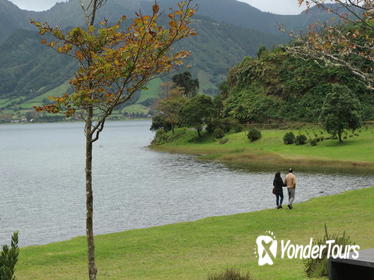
(355, 155)
(193, 250)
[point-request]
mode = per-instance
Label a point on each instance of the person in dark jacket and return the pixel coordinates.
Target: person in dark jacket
(278, 189)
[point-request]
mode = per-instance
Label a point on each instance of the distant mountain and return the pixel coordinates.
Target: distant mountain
(31, 69)
(11, 19)
(69, 13)
(232, 12)
(244, 15)
(228, 11)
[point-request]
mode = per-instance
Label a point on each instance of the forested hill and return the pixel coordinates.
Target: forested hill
(275, 86)
(228, 31)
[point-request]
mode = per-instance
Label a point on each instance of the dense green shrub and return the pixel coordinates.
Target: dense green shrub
(230, 274)
(301, 139)
(254, 134)
(226, 124)
(313, 142)
(248, 106)
(289, 138)
(316, 268)
(213, 125)
(9, 258)
(218, 133)
(159, 122)
(234, 125)
(161, 137)
(223, 141)
(237, 127)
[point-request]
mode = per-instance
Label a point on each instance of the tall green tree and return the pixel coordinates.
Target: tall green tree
(198, 112)
(185, 81)
(341, 110)
(114, 63)
(169, 113)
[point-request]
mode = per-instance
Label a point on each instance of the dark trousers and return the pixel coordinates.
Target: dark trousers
(279, 198)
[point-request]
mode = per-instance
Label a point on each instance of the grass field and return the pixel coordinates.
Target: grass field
(3, 102)
(6, 101)
(193, 250)
(356, 153)
(136, 108)
(152, 91)
(37, 101)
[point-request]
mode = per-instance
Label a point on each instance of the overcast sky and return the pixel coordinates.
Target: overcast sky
(284, 7)
(274, 6)
(35, 5)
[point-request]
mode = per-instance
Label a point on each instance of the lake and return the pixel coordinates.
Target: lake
(42, 192)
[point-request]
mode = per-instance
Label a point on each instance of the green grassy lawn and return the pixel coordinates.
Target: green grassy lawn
(152, 91)
(136, 108)
(193, 250)
(3, 102)
(6, 101)
(359, 148)
(356, 152)
(37, 101)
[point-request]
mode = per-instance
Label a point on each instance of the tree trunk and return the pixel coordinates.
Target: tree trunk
(92, 271)
(340, 137)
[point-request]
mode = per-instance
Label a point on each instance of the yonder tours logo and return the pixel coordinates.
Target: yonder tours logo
(268, 249)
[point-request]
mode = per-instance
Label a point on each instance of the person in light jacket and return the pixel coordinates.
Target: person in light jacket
(290, 182)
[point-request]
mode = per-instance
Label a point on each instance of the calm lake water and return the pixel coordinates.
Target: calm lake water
(42, 188)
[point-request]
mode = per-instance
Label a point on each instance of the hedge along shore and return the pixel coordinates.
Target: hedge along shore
(355, 155)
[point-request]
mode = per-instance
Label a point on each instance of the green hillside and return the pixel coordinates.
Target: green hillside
(27, 69)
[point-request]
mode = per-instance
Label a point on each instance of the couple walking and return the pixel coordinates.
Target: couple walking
(290, 183)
